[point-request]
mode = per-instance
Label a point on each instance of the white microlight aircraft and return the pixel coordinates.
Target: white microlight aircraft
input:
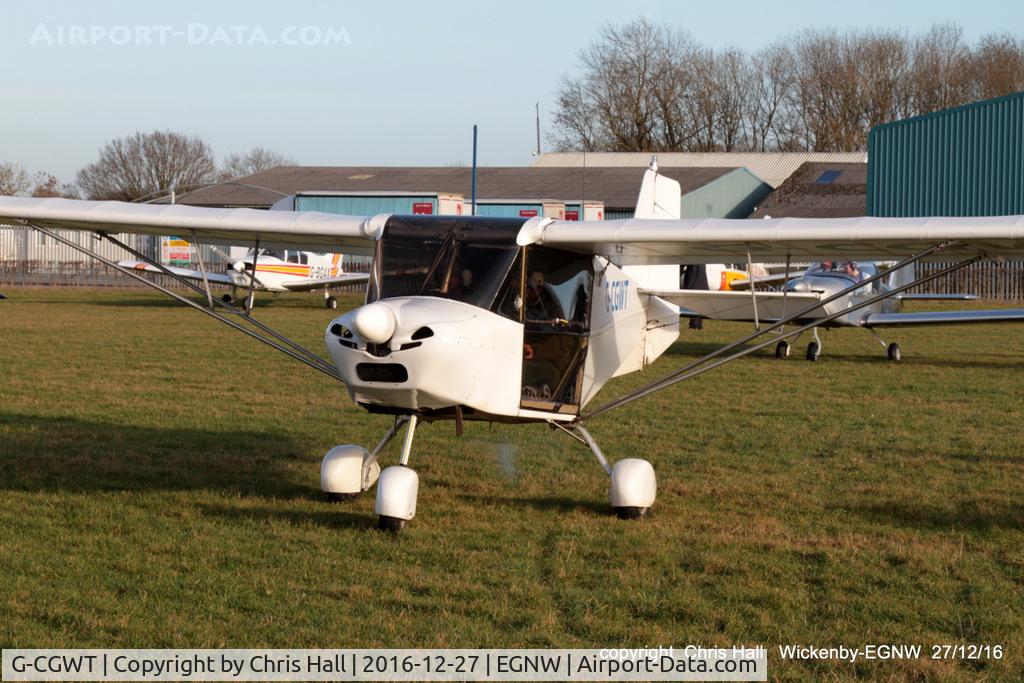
(277, 271)
(512, 320)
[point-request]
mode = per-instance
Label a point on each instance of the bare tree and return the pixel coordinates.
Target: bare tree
(48, 185)
(644, 87)
(13, 179)
(771, 102)
(255, 160)
(940, 72)
(998, 66)
(146, 164)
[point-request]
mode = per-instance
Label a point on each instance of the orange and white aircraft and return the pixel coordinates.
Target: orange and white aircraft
(276, 271)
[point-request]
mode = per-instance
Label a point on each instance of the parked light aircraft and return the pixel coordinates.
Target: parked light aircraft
(277, 271)
(520, 321)
(822, 280)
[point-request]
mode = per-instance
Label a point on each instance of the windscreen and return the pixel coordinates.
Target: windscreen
(460, 258)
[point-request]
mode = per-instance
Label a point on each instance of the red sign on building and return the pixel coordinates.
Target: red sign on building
(571, 215)
(527, 213)
(422, 208)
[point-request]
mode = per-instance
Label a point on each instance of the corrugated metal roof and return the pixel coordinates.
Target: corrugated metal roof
(819, 190)
(771, 167)
(616, 187)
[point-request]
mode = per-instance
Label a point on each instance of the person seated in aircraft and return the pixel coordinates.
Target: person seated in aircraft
(541, 302)
(850, 268)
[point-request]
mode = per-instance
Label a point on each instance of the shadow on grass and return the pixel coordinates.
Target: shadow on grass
(550, 503)
(63, 453)
(966, 515)
(344, 515)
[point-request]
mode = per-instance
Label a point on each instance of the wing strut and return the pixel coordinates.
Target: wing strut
(232, 309)
(271, 338)
(692, 370)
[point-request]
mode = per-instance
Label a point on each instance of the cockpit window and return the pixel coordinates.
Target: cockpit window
(447, 257)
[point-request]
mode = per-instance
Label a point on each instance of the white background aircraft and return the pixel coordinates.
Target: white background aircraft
(547, 316)
(277, 271)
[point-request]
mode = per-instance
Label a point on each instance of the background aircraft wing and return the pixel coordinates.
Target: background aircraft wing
(305, 229)
(722, 240)
(216, 278)
(726, 305)
(936, 297)
(1003, 315)
(320, 283)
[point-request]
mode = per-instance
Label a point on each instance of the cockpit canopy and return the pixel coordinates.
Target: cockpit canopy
(855, 270)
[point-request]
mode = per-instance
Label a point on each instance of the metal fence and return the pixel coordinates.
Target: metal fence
(988, 280)
(91, 273)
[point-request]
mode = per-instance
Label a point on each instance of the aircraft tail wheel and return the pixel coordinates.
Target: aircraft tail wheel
(341, 472)
(331, 303)
(228, 299)
(894, 352)
(396, 497)
(813, 351)
(782, 349)
(634, 488)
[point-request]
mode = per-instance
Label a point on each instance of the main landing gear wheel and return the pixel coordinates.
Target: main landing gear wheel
(347, 471)
(813, 351)
(392, 524)
(331, 303)
(228, 299)
(894, 353)
(782, 349)
(633, 488)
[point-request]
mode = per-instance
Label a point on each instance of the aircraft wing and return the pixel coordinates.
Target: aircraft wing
(723, 240)
(320, 283)
(999, 315)
(726, 305)
(352, 234)
(215, 278)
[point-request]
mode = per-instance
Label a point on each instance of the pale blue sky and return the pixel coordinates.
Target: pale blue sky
(406, 89)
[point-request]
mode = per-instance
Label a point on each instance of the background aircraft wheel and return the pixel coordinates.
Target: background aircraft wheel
(331, 302)
(782, 349)
(228, 299)
(631, 512)
(392, 524)
(813, 351)
(894, 352)
(340, 497)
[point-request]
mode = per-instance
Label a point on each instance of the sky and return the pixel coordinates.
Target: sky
(355, 83)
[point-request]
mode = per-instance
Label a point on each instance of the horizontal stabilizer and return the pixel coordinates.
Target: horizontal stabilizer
(188, 274)
(739, 306)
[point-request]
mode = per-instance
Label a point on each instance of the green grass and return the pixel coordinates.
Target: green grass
(159, 475)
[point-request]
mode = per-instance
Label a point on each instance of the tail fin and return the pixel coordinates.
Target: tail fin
(660, 197)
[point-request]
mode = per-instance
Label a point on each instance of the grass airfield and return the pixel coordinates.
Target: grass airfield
(159, 475)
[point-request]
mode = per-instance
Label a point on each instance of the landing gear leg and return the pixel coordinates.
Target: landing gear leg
(633, 485)
(398, 488)
(892, 351)
(814, 348)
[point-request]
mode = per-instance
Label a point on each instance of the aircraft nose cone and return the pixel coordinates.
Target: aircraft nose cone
(374, 322)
